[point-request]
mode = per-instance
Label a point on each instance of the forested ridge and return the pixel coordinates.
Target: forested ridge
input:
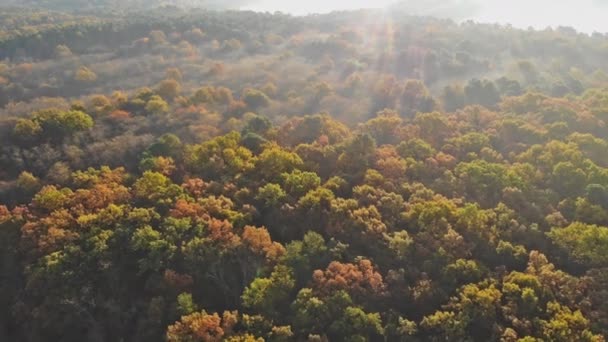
(192, 175)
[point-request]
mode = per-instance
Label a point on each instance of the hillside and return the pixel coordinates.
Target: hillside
(119, 5)
(195, 175)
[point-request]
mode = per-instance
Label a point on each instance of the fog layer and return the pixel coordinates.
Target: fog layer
(584, 15)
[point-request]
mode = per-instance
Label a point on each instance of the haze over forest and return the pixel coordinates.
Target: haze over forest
(174, 171)
(584, 15)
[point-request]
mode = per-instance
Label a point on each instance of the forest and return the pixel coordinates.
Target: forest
(171, 174)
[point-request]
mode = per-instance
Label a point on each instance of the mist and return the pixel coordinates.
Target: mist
(584, 15)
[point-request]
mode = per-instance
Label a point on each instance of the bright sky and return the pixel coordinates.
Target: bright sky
(584, 15)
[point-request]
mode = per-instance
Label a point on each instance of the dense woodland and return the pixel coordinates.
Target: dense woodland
(171, 175)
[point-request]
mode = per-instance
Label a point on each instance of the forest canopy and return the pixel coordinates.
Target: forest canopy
(198, 175)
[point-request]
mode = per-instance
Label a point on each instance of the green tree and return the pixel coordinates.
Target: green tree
(299, 183)
(586, 244)
(357, 325)
(255, 99)
(274, 161)
(156, 105)
(271, 195)
(270, 296)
